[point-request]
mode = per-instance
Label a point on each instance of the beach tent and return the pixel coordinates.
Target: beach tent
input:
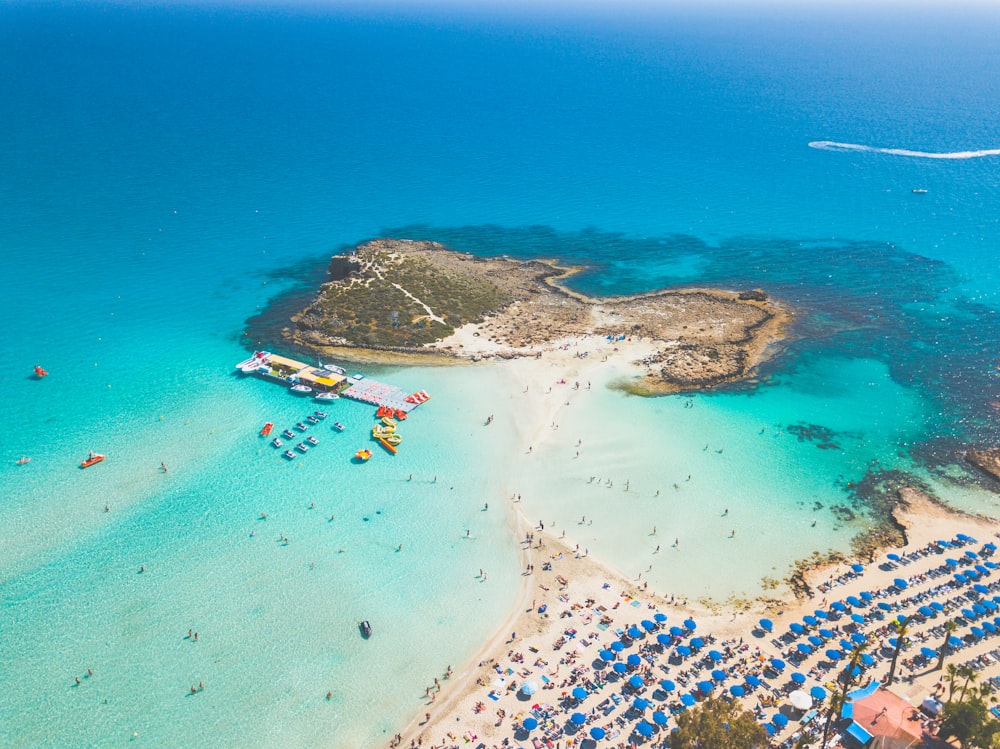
(667, 685)
(644, 729)
(578, 718)
(636, 682)
(659, 718)
(529, 724)
(597, 733)
(736, 690)
(817, 693)
(766, 624)
(798, 678)
(715, 655)
(529, 687)
(579, 693)
(663, 639)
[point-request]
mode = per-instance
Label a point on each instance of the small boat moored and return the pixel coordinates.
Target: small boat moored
(365, 628)
(919, 191)
(23, 459)
(300, 389)
(92, 459)
(326, 396)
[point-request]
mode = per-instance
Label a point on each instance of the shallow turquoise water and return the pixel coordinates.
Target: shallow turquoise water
(168, 171)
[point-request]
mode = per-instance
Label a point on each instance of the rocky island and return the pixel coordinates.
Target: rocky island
(391, 299)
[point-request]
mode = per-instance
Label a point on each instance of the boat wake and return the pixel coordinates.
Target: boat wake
(829, 145)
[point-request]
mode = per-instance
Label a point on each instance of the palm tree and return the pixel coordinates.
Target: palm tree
(902, 629)
(952, 678)
(970, 677)
(839, 696)
(949, 628)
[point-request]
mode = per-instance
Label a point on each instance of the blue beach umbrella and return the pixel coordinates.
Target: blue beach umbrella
(683, 650)
(857, 568)
(963, 537)
(979, 608)
(752, 680)
(989, 546)
(634, 632)
(797, 628)
(636, 682)
(597, 733)
(828, 633)
(617, 646)
(620, 668)
(705, 686)
(687, 700)
(529, 724)
(900, 583)
(811, 620)
(856, 671)
(815, 641)
(769, 729)
(779, 720)
(893, 556)
(640, 704)
(854, 601)
(943, 543)
(690, 624)
(660, 718)
(928, 652)
(926, 611)
(972, 573)
(991, 565)
(846, 644)
(633, 660)
(736, 690)
(766, 624)
(884, 606)
(798, 678)
(978, 632)
(817, 693)
(648, 624)
(696, 642)
(968, 613)
(715, 655)
(529, 687)
(718, 674)
(867, 659)
(578, 718)
(833, 654)
(667, 685)
(579, 693)
(951, 562)
(838, 606)
(982, 569)
(937, 605)
(990, 627)
(955, 642)
(677, 631)
(777, 664)
(972, 555)
(821, 614)
(893, 641)
(857, 638)
(980, 588)
(960, 578)
(803, 648)
(857, 618)
(866, 596)
(663, 639)
(644, 729)
(659, 617)
(606, 655)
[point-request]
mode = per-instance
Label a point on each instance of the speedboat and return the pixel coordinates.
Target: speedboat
(320, 414)
(289, 454)
(258, 360)
(335, 369)
(312, 440)
(302, 447)
(338, 426)
(326, 396)
(366, 629)
(93, 459)
(300, 389)
(277, 442)
(288, 434)
(919, 191)
(300, 426)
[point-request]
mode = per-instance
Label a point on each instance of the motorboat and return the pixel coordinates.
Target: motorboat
(312, 440)
(312, 419)
(362, 455)
(289, 454)
(300, 426)
(365, 628)
(259, 360)
(338, 426)
(335, 369)
(302, 447)
(326, 396)
(300, 389)
(320, 414)
(919, 191)
(288, 434)
(277, 442)
(267, 429)
(23, 459)
(93, 459)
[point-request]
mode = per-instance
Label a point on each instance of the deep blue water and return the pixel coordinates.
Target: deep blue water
(165, 171)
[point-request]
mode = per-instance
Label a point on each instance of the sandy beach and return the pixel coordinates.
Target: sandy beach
(573, 606)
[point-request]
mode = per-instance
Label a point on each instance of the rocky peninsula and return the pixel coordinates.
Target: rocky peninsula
(392, 300)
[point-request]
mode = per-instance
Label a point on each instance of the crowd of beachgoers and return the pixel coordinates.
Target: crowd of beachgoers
(605, 665)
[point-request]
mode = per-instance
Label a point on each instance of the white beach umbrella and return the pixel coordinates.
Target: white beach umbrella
(800, 700)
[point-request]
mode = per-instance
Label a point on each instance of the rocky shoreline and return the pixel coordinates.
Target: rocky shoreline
(399, 301)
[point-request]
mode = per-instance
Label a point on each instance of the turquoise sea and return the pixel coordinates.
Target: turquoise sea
(168, 170)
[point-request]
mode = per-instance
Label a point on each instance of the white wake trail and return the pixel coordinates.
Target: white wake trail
(829, 145)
